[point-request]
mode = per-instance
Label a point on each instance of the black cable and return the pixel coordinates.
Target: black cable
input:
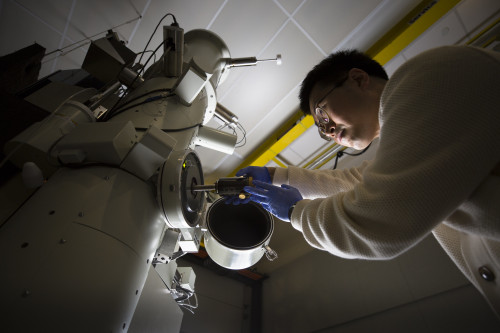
(154, 60)
(341, 153)
(149, 100)
(111, 112)
(166, 130)
(244, 139)
(142, 95)
(180, 129)
(243, 132)
(153, 54)
(151, 37)
(117, 112)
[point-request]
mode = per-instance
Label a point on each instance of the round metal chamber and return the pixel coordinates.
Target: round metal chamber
(237, 236)
(181, 206)
(207, 49)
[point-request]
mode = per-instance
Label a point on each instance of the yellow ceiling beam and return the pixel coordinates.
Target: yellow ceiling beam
(283, 142)
(490, 32)
(323, 152)
(392, 43)
(329, 159)
(263, 148)
(277, 161)
(421, 18)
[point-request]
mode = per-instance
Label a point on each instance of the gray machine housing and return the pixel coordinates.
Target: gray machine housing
(108, 207)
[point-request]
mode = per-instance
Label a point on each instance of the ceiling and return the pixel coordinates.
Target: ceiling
(264, 97)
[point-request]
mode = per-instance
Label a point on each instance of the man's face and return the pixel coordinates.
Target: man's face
(347, 112)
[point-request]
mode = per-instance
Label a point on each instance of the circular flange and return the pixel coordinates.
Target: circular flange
(181, 206)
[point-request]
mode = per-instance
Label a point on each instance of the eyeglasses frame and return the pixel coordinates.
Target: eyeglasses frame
(318, 111)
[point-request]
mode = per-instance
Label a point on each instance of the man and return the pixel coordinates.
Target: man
(436, 169)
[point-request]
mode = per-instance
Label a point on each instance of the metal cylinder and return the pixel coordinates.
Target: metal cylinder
(130, 78)
(237, 235)
(216, 140)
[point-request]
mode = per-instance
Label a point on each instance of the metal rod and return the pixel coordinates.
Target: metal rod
(199, 188)
(277, 59)
(327, 155)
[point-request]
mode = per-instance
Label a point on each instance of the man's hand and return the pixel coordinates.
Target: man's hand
(257, 173)
(276, 200)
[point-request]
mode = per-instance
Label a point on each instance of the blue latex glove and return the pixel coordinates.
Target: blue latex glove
(276, 200)
(257, 173)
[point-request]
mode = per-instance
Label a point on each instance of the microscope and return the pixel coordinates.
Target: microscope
(118, 192)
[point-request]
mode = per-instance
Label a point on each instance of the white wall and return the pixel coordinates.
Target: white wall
(420, 291)
(456, 310)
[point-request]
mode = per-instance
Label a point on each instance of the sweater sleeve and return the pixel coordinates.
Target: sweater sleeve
(439, 140)
(311, 183)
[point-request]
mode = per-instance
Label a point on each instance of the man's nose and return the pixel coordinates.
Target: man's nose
(330, 129)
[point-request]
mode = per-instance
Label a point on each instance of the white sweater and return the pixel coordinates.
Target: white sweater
(439, 142)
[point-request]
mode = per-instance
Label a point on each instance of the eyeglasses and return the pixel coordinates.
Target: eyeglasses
(322, 115)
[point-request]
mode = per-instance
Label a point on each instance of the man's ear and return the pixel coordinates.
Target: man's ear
(361, 77)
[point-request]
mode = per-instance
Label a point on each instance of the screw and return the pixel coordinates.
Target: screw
(62, 241)
(80, 214)
(26, 293)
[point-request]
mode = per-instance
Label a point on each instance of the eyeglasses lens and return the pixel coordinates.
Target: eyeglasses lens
(322, 133)
(323, 117)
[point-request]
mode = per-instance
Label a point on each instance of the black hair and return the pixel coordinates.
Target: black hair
(335, 68)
